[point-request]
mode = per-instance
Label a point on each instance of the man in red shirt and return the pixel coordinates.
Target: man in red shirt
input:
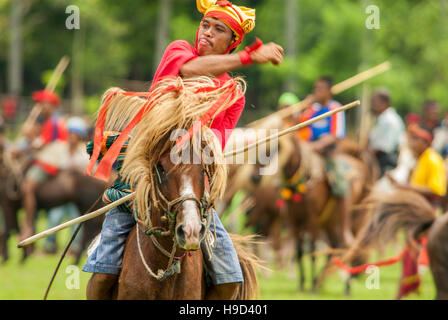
(221, 31)
(212, 56)
(47, 129)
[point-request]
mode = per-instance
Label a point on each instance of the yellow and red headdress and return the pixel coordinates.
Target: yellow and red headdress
(240, 19)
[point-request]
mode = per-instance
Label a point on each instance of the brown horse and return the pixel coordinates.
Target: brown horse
(387, 214)
(67, 186)
(138, 280)
(173, 203)
(316, 211)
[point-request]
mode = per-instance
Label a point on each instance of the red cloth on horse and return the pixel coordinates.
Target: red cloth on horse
(423, 258)
(410, 279)
(48, 168)
(176, 55)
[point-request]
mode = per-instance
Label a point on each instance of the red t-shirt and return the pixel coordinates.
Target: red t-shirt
(54, 129)
(175, 56)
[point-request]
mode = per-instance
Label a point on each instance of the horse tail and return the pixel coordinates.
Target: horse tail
(249, 264)
(385, 214)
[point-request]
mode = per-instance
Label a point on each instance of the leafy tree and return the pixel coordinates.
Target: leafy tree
(119, 44)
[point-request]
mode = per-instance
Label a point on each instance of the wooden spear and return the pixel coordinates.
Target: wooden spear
(293, 128)
(130, 196)
(72, 222)
(336, 89)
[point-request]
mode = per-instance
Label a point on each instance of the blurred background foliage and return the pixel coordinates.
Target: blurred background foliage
(117, 43)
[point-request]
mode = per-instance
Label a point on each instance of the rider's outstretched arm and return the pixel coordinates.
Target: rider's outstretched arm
(215, 65)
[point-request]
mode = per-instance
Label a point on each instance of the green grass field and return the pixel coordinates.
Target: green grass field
(29, 280)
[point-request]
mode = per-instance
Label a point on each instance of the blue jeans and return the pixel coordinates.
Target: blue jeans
(108, 256)
(55, 217)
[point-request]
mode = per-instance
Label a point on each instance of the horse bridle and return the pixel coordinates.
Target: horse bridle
(171, 209)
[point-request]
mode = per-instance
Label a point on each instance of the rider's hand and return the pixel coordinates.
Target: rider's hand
(269, 52)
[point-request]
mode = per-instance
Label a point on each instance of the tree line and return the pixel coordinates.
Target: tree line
(119, 43)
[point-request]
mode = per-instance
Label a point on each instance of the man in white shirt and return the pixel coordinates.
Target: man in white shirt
(386, 135)
(440, 143)
(74, 157)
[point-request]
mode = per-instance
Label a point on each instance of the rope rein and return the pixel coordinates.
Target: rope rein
(171, 269)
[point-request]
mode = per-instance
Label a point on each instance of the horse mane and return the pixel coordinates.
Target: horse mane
(175, 103)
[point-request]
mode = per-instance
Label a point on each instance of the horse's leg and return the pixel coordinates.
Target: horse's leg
(29, 249)
(275, 231)
(101, 286)
(348, 285)
(322, 274)
(313, 263)
(344, 209)
(334, 242)
(355, 193)
(339, 242)
(299, 248)
(29, 188)
(345, 238)
(4, 244)
(10, 224)
(4, 235)
(226, 291)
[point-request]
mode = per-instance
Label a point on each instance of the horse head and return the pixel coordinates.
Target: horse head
(183, 201)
